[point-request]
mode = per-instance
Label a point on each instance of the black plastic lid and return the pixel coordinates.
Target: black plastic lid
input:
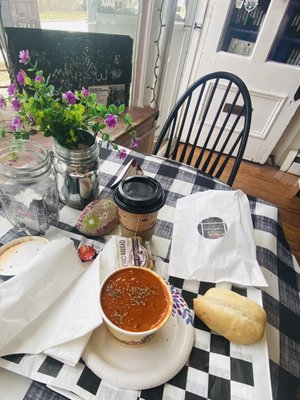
(139, 195)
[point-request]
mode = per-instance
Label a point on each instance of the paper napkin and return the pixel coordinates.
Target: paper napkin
(52, 306)
(213, 239)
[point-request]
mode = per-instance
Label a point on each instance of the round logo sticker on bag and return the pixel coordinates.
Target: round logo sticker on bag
(212, 228)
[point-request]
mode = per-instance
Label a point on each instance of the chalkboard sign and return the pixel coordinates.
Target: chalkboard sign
(75, 59)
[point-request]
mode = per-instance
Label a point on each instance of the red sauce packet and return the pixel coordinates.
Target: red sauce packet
(87, 252)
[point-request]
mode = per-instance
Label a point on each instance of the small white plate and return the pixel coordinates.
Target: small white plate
(150, 365)
(17, 254)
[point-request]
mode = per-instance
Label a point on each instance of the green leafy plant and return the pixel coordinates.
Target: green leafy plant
(70, 118)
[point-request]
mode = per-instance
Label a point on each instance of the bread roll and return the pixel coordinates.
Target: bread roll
(233, 316)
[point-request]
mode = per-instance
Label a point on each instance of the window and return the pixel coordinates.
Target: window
(242, 28)
(76, 16)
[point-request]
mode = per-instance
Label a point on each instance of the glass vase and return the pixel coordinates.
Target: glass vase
(28, 193)
(77, 174)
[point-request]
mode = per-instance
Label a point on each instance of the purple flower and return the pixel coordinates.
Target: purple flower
(11, 90)
(70, 97)
(31, 119)
(136, 142)
(39, 79)
(111, 120)
(2, 102)
(85, 92)
(122, 154)
(15, 123)
(24, 56)
(21, 77)
(16, 104)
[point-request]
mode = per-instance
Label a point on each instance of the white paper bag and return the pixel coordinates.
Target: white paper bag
(213, 239)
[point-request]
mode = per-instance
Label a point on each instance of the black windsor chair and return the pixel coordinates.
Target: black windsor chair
(214, 114)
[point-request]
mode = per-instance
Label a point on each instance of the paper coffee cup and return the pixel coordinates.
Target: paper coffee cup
(139, 198)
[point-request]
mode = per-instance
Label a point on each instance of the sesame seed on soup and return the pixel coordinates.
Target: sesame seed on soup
(134, 299)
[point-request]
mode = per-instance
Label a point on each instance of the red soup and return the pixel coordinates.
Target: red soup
(135, 299)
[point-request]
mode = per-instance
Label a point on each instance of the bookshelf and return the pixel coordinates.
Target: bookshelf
(286, 47)
(242, 29)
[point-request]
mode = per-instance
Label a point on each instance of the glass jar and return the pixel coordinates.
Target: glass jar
(28, 193)
(77, 174)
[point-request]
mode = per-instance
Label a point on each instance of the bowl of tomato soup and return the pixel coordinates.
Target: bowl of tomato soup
(135, 303)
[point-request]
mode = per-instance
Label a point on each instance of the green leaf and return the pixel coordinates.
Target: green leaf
(48, 111)
(28, 81)
(47, 133)
(51, 89)
(121, 109)
(101, 108)
(112, 109)
(91, 99)
(105, 137)
(133, 134)
(127, 119)
(94, 112)
(21, 112)
(95, 127)
(25, 135)
(59, 116)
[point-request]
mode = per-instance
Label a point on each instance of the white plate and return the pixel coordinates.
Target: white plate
(18, 253)
(150, 365)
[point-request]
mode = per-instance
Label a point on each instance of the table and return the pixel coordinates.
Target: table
(144, 124)
(280, 299)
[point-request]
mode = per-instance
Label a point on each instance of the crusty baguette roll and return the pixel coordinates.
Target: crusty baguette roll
(233, 316)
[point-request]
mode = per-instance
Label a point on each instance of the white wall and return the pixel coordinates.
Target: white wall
(290, 140)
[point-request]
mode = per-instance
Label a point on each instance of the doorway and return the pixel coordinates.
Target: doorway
(262, 47)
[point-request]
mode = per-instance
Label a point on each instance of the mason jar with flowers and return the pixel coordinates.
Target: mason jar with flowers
(77, 123)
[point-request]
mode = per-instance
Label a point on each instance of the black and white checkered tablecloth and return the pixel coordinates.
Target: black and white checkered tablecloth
(216, 368)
